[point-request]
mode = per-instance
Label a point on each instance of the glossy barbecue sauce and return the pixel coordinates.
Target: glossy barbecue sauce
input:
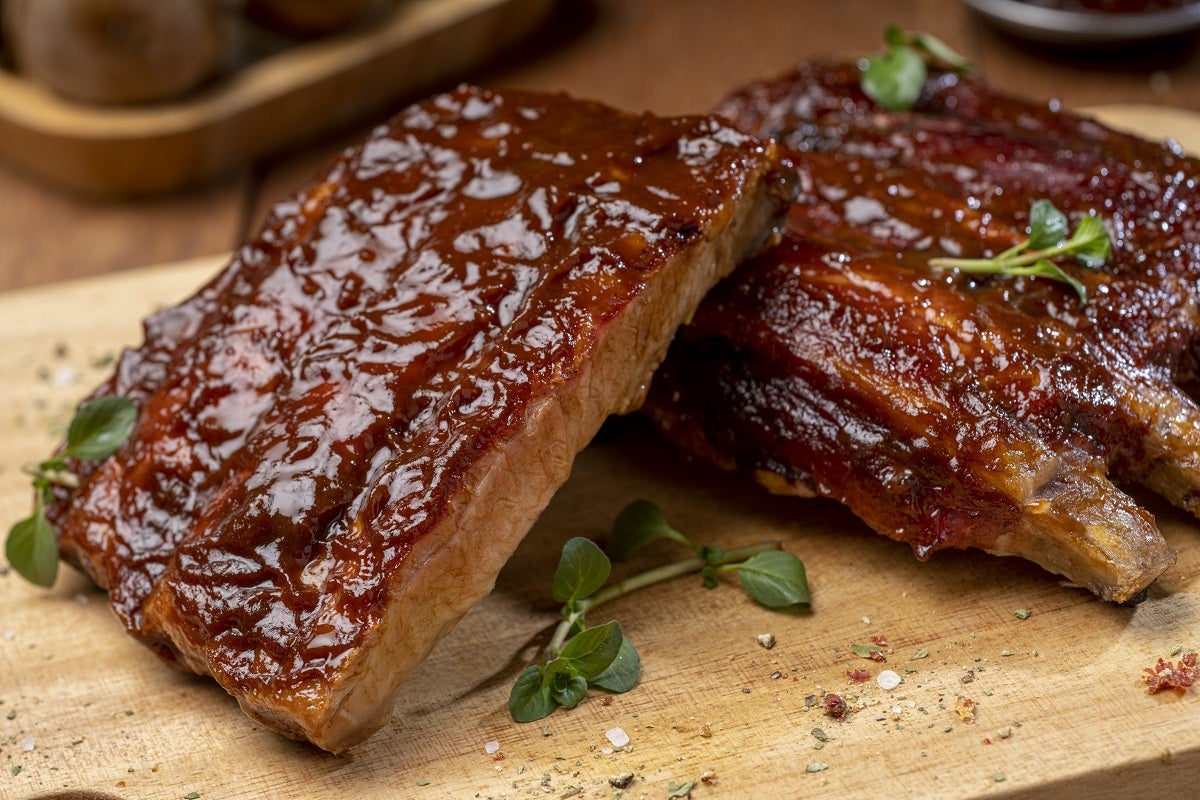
(840, 361)
(310, 414)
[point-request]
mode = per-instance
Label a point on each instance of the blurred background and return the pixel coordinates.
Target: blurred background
(182, 159)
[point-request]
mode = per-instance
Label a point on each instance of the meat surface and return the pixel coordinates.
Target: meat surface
(343, 437)
(946, 409)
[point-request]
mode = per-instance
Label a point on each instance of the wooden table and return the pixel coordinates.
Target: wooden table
(669, 56)
(1061, 711)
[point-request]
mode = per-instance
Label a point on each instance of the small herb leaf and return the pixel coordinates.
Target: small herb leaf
(939, 50)
(582, 569)
(638, 524)
(775, 578)
(623, 673)
(682, 790)
(1091, 244)
(593, 650)
(870, 651)
(100, 427)
(1048, 226)
(32, 550)
(530, 698)
(567, 687)
(895, 78)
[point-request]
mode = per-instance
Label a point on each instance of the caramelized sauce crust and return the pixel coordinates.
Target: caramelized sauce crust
(309, 415)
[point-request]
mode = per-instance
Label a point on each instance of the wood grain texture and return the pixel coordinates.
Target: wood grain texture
(1060, 710)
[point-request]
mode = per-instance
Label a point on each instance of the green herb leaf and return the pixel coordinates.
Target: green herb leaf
(1048, 226)
(593, 650)
(939, 51)
(1048, 269)
(31, 548)
(676, 791)
(638, 524)
(567, 687)
(530, 698)
(709, 553)
(1091, 244)
(100, 427)
(894, 36)
(775, 578)
(623, 673)
(582, 569)
(894, 79)
(866, 651)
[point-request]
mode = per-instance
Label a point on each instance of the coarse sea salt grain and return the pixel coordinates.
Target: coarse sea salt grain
(491, 748)
(617, 736)
(27, 744)
(888, 679)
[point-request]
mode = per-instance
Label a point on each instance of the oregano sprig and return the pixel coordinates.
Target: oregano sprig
(578, 657)
(97, 430)
(1049, 239)
(895, 77)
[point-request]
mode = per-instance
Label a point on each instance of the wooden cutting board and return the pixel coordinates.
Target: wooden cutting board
(1059, 705)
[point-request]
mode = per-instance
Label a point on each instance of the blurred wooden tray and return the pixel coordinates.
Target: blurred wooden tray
(274, 103)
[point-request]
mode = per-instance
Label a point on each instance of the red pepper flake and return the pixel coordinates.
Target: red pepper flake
(858, 675)
(835, 706)
(880, 640)
(1166, 675)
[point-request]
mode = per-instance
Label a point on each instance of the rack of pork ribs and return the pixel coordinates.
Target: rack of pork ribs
(945, 409)
(345, 434)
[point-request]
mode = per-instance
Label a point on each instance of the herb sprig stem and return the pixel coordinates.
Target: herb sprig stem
(641, 580)
(97, 430)
(1049, 239)
(579, 657)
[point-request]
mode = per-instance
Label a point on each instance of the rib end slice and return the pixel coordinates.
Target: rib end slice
(1078, 524)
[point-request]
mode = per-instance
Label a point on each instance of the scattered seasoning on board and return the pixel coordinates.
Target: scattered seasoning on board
(835, 706)
(998, 777)
(870, 651)
(965, 708)
(622, 781)
(1170, 675)
(766, 640)
(684, 789)
(816, 766)
(858, 675)
(1021, 613)
(888, 679)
